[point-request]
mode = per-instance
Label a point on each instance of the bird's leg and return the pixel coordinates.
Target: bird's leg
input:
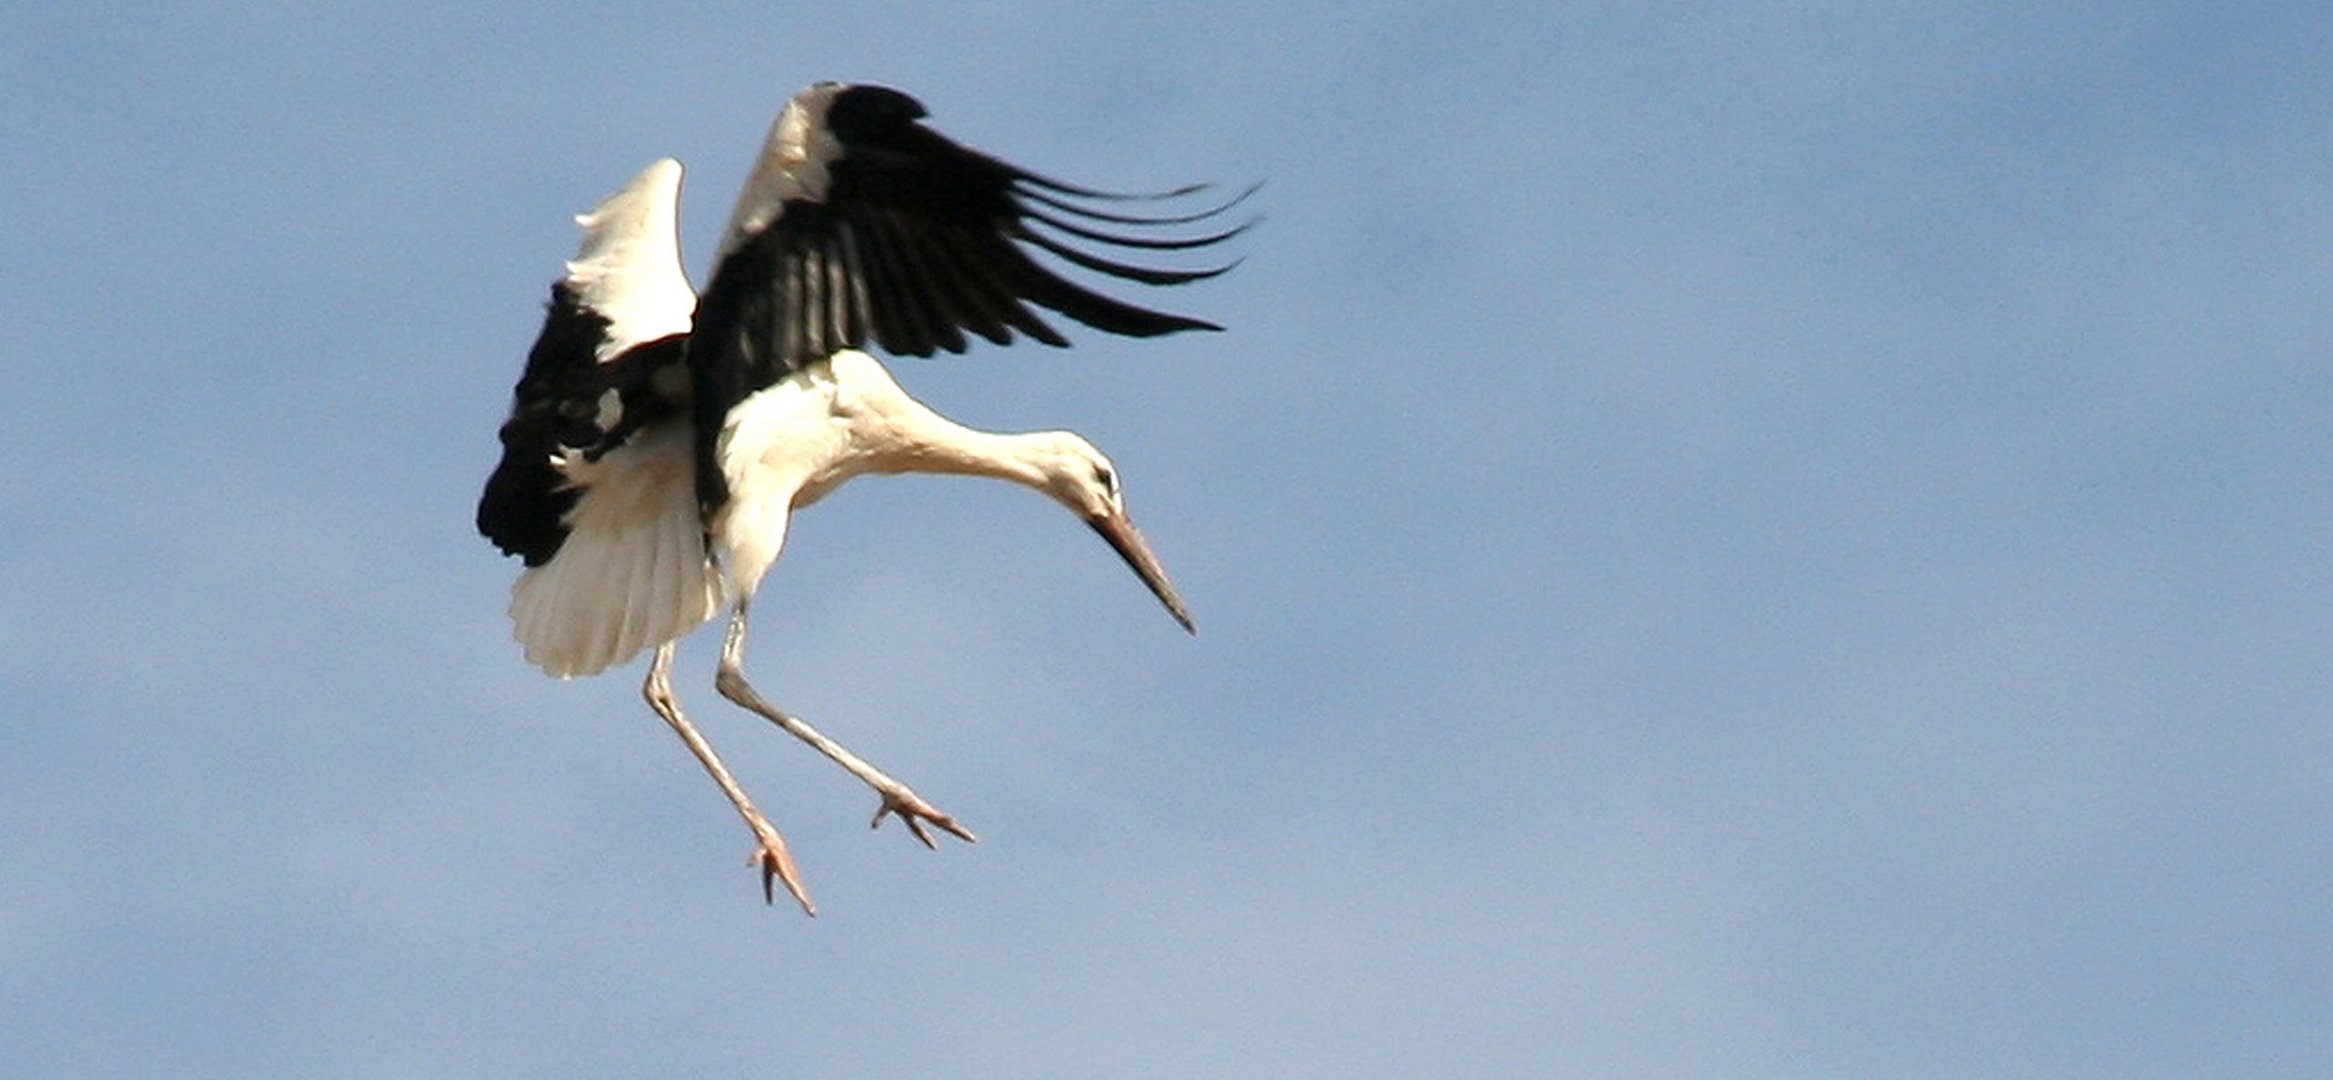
(897, 799)
(772, 857)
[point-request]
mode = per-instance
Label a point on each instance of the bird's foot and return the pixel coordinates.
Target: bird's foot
(777, 864)
(913, 811)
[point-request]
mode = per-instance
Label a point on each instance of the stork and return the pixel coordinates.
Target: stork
(660, 441)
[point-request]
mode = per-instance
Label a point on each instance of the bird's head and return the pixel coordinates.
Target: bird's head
(1081, 478)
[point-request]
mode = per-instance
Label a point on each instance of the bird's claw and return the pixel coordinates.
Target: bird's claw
(914, 812)
(777, 864)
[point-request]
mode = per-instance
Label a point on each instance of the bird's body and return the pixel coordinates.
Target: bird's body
(660, 441)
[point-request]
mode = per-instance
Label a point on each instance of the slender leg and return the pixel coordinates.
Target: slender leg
(771, 856)
(897, 799)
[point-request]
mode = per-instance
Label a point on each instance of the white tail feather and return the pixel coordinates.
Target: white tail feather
(632, 572)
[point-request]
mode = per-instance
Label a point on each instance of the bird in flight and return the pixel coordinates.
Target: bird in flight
(659, 440)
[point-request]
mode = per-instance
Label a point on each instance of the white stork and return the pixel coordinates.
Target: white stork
(660, 441)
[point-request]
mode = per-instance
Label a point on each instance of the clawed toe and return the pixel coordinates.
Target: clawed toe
(777, 864)
(914, 812)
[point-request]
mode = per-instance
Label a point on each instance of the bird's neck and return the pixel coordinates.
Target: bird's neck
(949, 447)
(914, 438)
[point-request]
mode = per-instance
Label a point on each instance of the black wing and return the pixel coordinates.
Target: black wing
(568, 401)
(611, 360)
(862, 226)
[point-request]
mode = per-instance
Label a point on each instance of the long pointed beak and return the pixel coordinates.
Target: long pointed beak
(1119, 530)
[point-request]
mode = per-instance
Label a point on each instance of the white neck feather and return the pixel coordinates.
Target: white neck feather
(905, 435)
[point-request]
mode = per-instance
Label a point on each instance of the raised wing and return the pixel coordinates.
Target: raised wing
(609, 361)
(862, 226)
(596, 489)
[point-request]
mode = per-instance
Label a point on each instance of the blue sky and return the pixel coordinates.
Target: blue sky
(1754, 541)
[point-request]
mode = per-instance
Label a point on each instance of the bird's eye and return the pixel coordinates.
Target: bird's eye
(1107, 479)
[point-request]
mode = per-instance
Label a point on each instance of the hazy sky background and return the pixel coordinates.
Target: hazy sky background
(1729, 540)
